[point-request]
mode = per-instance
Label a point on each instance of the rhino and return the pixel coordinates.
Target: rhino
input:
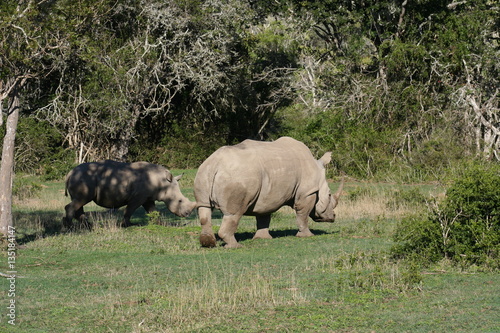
(256, 178)
(112, 184)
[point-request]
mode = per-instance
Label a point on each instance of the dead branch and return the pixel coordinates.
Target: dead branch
(10, 276)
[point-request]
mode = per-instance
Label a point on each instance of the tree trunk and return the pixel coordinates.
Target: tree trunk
(7, 164)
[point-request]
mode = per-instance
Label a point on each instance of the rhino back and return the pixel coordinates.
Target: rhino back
(268, 174)
(109, 184)
(81, 182)
(114, 185)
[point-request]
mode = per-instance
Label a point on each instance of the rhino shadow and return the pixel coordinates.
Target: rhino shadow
(243, 236)
(39, 224)
(141, 218)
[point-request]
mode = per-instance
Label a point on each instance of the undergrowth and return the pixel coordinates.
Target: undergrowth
(463, 227)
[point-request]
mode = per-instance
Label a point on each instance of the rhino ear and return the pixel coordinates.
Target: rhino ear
(169, 176)
(325, 159)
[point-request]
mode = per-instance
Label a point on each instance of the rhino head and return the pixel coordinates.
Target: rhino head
(326, 203)
(175, 201)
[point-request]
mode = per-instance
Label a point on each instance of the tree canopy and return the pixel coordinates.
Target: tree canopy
(396, 89)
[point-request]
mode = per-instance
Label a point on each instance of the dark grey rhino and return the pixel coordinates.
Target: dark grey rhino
(113, 184)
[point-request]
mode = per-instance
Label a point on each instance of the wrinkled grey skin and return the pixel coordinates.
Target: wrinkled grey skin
(113, 184)
(257, 178)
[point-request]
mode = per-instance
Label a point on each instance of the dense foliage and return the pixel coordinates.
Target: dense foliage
(398, 90)
(464, 227)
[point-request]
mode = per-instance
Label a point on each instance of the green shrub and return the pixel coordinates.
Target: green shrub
(56, 166)
(418, 239)
(154, 217)
(464, 227)
(24, 188)
(181, 147)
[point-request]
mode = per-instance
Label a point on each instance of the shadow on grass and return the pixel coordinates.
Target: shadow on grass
(39, 224)
(243, 236)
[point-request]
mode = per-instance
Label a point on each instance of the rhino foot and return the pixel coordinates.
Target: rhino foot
(125, 224)
(262, 234)
(304, 233)
(85, 223)
(207, 240)
(233, 246)
(67, 223)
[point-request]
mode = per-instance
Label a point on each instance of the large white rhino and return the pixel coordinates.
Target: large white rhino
(113, 184)
(257, 178)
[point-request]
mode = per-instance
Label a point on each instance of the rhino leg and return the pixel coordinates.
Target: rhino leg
(129, 210)
(207, 237)
(149, 206)
(228, 229)
(263, 227)
(303, 208)
(82, 218)
(73, 210)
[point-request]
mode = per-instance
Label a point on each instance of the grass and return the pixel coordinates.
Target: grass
(156, 277)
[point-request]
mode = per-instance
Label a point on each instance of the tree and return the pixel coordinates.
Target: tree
(147, 59)
(7, 164)
(28, 38)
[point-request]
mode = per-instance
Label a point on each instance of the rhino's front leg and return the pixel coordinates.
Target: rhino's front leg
(303, 208)
(263, 227)
(149, 206)
(228, 229)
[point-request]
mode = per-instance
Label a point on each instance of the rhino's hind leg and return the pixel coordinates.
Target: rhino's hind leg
(73, 210)
(263, 227)
(207, 237)
(83, 219)
(228, 229)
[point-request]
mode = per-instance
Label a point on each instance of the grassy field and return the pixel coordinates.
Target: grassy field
(155, 277)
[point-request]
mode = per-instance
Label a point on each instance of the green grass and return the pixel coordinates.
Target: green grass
(156, 278)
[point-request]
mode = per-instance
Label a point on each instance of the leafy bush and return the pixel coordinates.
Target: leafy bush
(24, 188)
(56, 166)
(464, 227)
(182, 146)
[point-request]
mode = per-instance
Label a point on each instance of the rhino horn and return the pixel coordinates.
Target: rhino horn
(337, 194)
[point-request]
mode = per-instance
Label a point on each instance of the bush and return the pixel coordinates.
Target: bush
(181, 147)
(56, 167)
(464, 227)
(24, 188)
